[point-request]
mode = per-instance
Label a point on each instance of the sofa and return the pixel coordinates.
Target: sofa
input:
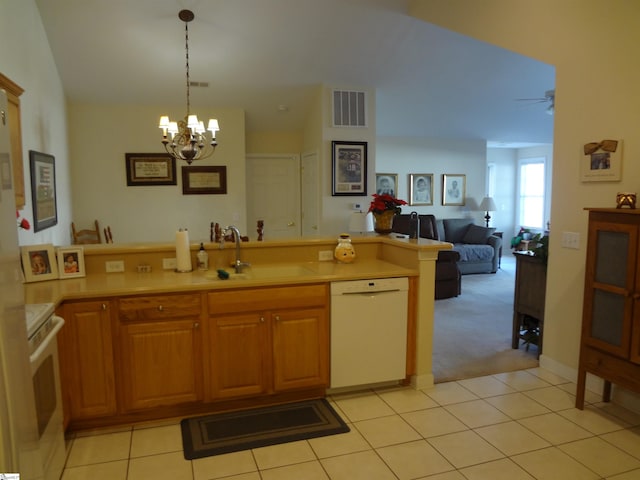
(448, 281)
(479, 249)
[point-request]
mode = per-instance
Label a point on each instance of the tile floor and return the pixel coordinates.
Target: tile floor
(510, 426)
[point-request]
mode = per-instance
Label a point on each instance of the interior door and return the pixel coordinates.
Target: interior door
(273, 194)
(310, 180)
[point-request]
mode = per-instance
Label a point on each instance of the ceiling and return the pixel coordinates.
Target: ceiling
(263, 54)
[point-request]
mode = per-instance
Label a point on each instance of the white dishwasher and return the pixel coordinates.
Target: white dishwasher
(368, 331)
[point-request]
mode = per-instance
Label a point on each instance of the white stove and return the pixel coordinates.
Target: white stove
(42, 328)
(40, 322)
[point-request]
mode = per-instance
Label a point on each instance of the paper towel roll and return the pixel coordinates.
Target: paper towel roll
(183, 254)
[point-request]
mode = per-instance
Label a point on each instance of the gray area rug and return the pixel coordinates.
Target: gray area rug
(472, 332)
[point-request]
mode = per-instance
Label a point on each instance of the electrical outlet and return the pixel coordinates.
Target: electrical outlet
(357, 206)
(114, 266)
(169, 264)
(325, 256)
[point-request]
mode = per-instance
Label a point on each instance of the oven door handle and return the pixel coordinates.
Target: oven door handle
(51, 336)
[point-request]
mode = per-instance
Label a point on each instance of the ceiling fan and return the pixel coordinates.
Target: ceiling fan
(549, 97)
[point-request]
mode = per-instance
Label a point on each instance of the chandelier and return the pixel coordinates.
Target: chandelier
(187, 139)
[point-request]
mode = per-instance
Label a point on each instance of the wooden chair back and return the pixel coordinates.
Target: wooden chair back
(86, 236)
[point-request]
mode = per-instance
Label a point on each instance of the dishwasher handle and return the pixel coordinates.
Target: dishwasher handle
(371, 292)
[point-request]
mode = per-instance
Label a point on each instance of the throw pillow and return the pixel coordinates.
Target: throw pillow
(477, 235)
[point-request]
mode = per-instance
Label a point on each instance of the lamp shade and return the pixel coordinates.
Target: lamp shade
(361, 222)
(488, 205)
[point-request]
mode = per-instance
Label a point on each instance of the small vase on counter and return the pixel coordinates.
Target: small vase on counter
(344, 252)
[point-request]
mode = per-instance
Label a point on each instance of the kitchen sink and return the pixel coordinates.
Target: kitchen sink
(265, 272)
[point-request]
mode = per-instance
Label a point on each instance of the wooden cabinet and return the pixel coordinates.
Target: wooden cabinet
(528, 299)
(268, 340)
(610, 342)
(300, 348)
(86, 360)
(15, 137)
(160, 350)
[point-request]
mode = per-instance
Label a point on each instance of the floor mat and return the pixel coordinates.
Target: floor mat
(234, 431)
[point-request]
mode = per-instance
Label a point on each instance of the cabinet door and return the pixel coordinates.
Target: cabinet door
(86, 362)
(239, 359)
(609, 286)
(161, 363)
(300, 348)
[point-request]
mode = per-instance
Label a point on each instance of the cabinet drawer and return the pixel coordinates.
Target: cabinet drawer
(158, 307)
(609, 367)
(251, 300)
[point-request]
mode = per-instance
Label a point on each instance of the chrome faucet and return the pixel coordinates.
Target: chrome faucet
(238, 264)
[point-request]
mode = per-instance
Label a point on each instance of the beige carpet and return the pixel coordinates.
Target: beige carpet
(472, 332)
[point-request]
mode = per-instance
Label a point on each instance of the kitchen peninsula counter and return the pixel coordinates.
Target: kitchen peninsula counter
(377, 257)
(132, 283)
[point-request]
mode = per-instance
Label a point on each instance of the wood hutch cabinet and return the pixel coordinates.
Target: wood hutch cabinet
(610, 344)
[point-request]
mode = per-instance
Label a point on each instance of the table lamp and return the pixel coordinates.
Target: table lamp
(488, 205)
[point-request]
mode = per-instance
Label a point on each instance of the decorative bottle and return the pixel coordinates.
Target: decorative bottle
(344, 252)
(203, 258)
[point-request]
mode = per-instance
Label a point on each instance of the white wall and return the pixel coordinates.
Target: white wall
(404, 156)
(503, 219)
(593, 102)
(25, 57)
(336, 210)
(102, 134)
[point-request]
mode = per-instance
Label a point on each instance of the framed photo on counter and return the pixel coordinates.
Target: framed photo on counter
(39, 262)
(71, 262)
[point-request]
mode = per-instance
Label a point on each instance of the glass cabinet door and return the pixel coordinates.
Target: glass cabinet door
(609, 292)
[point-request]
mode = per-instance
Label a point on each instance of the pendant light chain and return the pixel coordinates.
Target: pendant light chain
(186, 43)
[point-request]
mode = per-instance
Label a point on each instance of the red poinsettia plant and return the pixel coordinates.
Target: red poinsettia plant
(22, 222)
(385, 202)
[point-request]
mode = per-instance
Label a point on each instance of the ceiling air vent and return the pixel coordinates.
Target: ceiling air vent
(349, 109)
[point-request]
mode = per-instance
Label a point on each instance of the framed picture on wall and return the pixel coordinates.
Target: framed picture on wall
(601, 161)
(421, 189)
(387, 183)
(149, 169)
(43, 190)
(349, 168)
(453, 189)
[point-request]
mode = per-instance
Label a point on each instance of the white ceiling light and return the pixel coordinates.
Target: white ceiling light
(188, 139)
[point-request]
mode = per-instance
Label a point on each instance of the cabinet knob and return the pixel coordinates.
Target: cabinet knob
(104, 306)
(261, 319)
(196, 325)
(277, 318)
(160, 308)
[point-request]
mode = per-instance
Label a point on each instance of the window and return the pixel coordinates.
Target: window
(531, 193)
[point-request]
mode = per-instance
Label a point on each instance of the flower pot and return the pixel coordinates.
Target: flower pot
(384, 221)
